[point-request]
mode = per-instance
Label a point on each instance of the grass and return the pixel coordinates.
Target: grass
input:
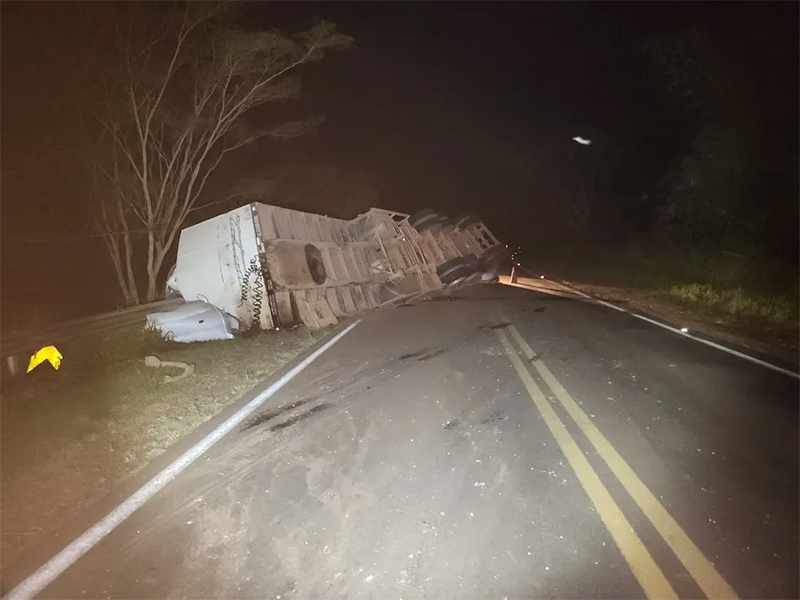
(755, 299)
(777, 310)
(69, 436)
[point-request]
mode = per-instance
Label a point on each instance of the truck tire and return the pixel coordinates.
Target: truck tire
(466, 220)
(460, 217)
(452, 270)
(472, 263)
(424, 219)
(445, 224)
(492, 258)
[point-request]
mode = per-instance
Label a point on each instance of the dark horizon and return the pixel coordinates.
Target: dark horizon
(438, 105)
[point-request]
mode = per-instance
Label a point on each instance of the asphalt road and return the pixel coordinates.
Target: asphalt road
(502, 444)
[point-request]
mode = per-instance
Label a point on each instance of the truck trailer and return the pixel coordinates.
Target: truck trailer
(271, 267)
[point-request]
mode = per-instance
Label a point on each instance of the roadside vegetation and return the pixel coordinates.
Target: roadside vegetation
(774, 310)
(730, 296)
(69, 436)
(691, 205)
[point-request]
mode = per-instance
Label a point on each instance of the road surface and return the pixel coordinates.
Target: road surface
(504, 443)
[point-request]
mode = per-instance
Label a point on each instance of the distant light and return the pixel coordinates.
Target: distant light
(684, 330)
(582, 141)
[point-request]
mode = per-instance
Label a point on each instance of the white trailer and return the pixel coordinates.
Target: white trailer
(274, 267)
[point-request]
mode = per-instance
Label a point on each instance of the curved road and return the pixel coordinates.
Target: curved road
(503, 444)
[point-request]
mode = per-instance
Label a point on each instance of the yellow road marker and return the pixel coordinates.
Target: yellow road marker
(48, 353)
(641, 563)
(699, 567)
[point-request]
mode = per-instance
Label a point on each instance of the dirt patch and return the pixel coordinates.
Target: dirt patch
(69, 436)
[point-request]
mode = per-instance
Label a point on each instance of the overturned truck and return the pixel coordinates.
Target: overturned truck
(272, 267)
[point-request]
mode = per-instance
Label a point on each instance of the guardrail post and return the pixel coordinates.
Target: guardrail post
(13, 365)
(514, 274)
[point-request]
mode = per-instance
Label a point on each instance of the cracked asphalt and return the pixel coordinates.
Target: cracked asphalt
(412, 461)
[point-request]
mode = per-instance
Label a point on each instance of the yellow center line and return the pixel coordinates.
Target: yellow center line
(641, 563)
(699, 567)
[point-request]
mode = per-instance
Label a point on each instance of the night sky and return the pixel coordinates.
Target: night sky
(438, 103)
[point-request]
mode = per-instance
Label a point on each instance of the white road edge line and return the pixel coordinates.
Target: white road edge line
(48, 572)
(685, 334)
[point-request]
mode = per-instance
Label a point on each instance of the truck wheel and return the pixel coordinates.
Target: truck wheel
(424, 220)
(492, 258)
(460, 217)
(452, 270)
(445, 224)
(465, 221)
(471, 262)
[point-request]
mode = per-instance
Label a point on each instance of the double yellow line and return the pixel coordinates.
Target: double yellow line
(644, 567)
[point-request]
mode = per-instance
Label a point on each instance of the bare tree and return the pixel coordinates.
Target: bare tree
(175, 109)
(572, 192)
(565, 183)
